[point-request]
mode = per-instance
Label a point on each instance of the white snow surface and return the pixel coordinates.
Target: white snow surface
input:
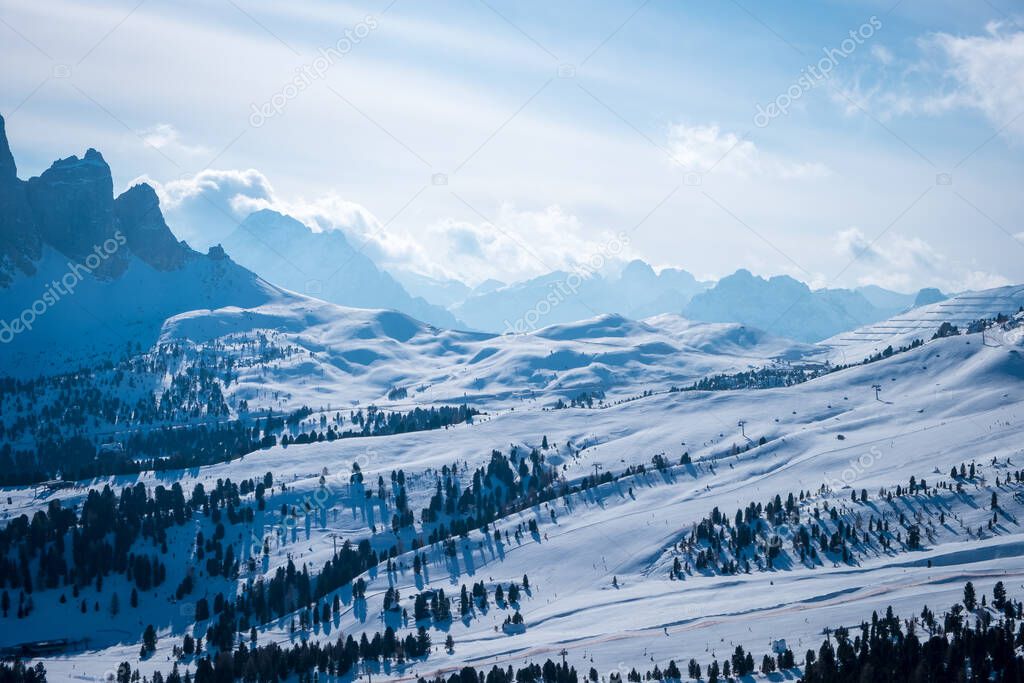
(356, 355)
(954, 400)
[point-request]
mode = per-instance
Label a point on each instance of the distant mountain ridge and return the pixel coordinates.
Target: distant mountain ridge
(562, 297)
(143, 275)
(784, 306)
(781, 305)
(324, 265)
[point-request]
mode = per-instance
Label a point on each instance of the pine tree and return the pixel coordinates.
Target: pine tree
(999, 595)
(970, 599)
(149, 640)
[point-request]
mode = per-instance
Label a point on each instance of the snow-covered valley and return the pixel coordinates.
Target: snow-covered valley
(599, 549)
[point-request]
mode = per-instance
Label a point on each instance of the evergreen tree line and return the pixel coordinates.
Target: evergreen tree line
(917, 650)
(33, 551)
(272, 662)
(776, 376)
(183, 446)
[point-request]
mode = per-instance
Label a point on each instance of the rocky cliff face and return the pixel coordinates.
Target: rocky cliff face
(19, 243)
(139, 217)
(85, 275)
(71, 208)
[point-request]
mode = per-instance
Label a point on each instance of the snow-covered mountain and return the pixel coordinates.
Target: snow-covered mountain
(85, 273)
(730, 489)
(785, 306)
(324, 265)
(782, 305)
(561, 297)
(922, 322)
(600, 553)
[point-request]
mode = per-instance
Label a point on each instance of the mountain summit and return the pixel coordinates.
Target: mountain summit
(84, 272)
(784, 306)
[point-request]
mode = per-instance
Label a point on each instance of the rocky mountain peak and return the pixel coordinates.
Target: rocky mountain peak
(140, 219)
(8, 169)
(20, 246)
(73, 208)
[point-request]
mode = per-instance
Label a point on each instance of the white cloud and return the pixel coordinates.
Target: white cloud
(981, 72)
(518, 244)
(882, 54)
(708, 149)
(989, 72)
(904, 263)
(225, 186)
(205, 208)
(165, 137)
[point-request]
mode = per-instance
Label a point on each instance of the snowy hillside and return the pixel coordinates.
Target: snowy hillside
(921, 323)
(600, 563)
(356, 355)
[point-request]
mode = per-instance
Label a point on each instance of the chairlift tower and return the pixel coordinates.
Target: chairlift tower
(334, 536)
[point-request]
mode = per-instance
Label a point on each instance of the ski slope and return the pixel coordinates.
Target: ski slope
(921, 322)
(954, 400)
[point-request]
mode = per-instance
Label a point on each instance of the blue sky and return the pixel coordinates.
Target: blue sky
(502, 139)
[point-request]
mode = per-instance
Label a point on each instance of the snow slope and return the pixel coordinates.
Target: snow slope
(951, 401)
(105, 316)
(357, 355)
(922, 322)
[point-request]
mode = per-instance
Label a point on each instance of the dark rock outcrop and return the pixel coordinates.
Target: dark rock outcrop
(929, 295)
(19, 243)
(139, 218)
(73, 206)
